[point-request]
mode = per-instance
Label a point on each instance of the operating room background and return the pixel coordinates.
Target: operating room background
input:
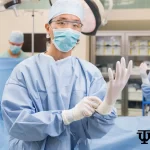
(130, 15)
(9, 22)
(127, 15)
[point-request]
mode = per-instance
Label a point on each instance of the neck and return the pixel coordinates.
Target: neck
(13, 55)
(56, 54)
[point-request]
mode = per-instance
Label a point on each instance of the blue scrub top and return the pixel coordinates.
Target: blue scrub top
(37, 91)
(6, 54)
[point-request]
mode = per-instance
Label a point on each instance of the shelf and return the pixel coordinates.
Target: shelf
(140, 46)
(105, 75)
(108, 55)
(133, 100)
(134, 76)
(139, 55)
(134, 112)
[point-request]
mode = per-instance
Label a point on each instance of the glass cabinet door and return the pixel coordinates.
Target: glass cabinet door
(138, 50)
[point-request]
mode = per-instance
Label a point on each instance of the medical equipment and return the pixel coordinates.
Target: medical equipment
(95, 15)
(11, 4)
(94, 10)
(65, 39)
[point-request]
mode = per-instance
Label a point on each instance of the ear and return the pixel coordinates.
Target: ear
(47, 28)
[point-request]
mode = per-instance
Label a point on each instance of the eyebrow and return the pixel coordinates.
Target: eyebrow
(63, 18)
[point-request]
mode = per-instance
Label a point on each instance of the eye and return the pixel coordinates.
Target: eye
(76, 25)
(61, 23)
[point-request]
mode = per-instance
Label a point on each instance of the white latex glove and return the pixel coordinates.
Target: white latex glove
(115, 86)
(144, 76)
(85, 108)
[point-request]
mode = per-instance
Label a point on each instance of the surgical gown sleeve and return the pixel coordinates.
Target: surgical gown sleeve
(98, 125)
(146, 89)
(21, 118)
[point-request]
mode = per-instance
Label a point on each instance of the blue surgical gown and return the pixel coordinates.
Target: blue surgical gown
(6, 54)
(146, 89)
(37, 91)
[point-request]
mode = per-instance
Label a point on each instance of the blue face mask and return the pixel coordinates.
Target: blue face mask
(65, 39)
(15, 49)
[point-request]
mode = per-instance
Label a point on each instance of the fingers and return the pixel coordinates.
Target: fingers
(123, 62)
(141, 65)
(129, 70)
(123, 67)
(122, 71)
(110, 74)
(95, 99)
(88, 111)
(92, 103)
(118, 71)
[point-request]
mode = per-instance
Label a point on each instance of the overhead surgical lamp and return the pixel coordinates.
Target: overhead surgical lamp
(95, 15)
(11, 4)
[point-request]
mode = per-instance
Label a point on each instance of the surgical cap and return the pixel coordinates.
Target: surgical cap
(73, 7)
(16, 37)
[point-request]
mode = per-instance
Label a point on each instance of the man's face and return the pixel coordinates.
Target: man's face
(64, 21)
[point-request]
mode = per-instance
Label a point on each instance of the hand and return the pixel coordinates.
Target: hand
(143, 69)
(115, 86)
(85, 108)
(144, 76)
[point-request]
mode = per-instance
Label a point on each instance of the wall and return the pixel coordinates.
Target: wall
(130, 14)
(9, 22)
(129, 19)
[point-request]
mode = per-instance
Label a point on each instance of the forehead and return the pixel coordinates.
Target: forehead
(67, 17)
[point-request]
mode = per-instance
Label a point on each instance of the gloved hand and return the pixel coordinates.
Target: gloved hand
(115, 86)
(85, 108)
(144, 76)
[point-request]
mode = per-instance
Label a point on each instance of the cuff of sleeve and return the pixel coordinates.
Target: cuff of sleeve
(104, 108)
(67, 116)
(145, 81)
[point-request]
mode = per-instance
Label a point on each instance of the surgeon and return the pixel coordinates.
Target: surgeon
(54, 101)
(145, 80)
(16, 41)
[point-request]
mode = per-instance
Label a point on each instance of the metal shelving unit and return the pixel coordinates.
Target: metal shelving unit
(132, 46)
(138, 49)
